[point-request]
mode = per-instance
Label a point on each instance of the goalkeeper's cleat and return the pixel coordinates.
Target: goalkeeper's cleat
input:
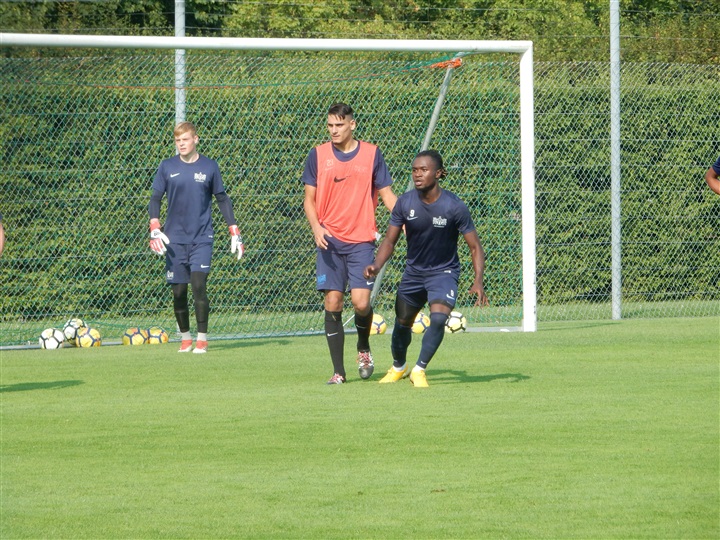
(336, 379)
(185, 345)
(418, 378)
(200, 347)
(365, 364)
(393, 375)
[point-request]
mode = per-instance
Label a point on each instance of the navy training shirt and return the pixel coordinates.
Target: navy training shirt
(189, 188)
(432, 230)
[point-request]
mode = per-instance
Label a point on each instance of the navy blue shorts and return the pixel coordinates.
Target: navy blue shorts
(336, 268)
(436, 288)
(181, 259)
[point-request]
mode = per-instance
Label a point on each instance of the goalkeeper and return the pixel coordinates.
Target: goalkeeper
(189, 180)
(433, 219)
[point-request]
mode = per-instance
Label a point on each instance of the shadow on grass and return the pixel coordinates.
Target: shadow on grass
(580, 326)
(24, 387)
(247, 343)
(450, 375)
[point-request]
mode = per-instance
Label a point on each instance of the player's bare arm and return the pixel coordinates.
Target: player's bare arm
(712, 180)
(319, 232)
(384, 252)
(477, 254)
(388, 197)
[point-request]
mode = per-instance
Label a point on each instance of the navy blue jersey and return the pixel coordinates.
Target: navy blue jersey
(716, 166)
(432, 230)
(189, 188)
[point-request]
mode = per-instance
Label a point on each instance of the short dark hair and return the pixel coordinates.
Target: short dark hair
(341, 110)
(437, 159)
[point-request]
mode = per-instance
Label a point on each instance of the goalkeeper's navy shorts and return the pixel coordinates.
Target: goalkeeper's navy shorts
(182, 259)
(434, 288)
(342, 264)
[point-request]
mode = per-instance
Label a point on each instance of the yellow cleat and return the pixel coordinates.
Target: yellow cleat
(417, 377)
(394, 375)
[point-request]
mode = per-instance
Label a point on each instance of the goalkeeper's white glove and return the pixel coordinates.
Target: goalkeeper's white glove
(236, 243)
(158, 240)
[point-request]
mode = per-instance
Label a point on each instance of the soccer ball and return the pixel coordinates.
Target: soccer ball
(51, 338)
(134, 336)
(378, 325)
(456, 323)
(71, 327)
(422, 322)
(88, 337)
(157, 336)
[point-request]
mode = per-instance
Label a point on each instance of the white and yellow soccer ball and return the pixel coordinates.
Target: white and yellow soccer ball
(157, 335)
(71, 327)
(135, 336)
(422, 323)
(378, 325)
(51, 338)
(88, 337)
(455, 323)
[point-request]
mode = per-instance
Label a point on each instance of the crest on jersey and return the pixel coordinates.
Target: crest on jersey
(439, 222)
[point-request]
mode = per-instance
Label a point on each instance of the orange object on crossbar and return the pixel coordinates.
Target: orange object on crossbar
(454, 63)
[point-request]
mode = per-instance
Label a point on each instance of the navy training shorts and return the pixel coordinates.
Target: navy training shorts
(335, 268)
(433, 288)
(181, 259)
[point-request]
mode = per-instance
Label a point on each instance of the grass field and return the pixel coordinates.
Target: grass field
(581, 430)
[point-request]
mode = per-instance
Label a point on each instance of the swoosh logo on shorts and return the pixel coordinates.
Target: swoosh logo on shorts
(204, 266)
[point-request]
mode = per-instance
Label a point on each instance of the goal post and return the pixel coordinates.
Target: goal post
(482, 121)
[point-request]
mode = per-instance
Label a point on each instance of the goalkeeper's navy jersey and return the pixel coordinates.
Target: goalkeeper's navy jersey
(432, 230)
(189, 188)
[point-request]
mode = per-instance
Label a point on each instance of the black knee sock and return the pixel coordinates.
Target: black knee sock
(335, 335)
(399, 343)
(432, 339)
(363, 324)
(180, 306)
(198, 282)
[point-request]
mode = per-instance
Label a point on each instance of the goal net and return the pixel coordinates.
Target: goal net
(86, 127)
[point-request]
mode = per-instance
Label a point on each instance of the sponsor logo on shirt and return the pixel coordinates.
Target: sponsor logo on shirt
(173, 175)
(439, 222)
(200, 177)
(336, 179)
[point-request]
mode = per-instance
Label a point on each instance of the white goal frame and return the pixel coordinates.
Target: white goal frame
(460, 47)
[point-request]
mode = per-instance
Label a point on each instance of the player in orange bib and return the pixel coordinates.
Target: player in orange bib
(343, 179)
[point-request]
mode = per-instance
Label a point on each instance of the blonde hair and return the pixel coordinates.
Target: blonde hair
(184, 127)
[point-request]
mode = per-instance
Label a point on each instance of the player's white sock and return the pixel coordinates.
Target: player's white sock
(399, 369)
(202, 336)
(185, 336)
(417, 368)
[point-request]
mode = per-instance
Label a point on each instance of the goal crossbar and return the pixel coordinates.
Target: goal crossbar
(261, 44)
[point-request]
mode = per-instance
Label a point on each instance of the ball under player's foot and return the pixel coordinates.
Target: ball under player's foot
(365, 364)
(394, 374)
(418, 378)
